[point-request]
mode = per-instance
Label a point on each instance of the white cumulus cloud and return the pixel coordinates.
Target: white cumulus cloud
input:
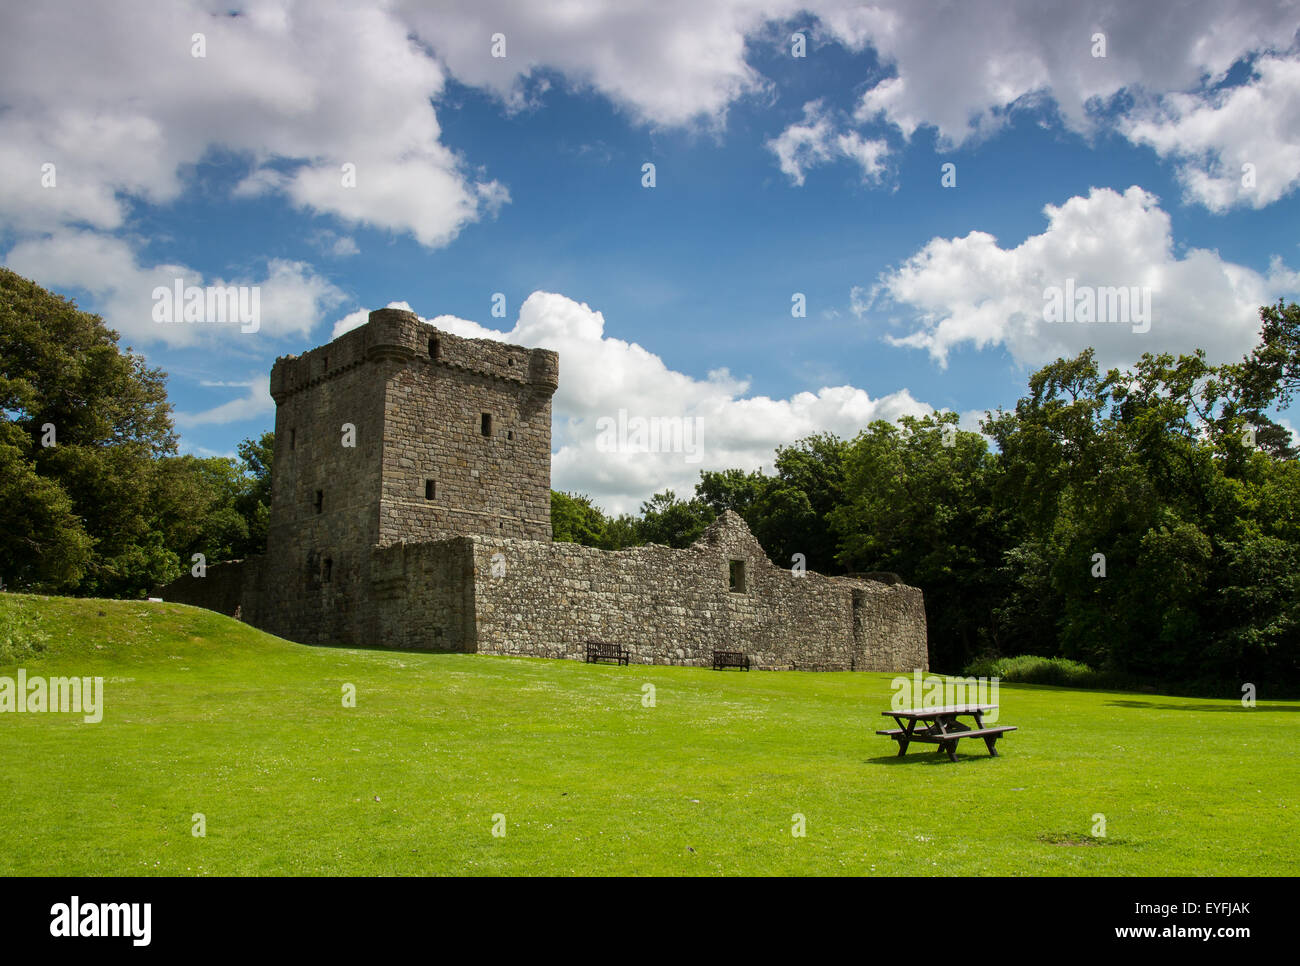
(817, 139)
(112, 96)
(963, 68)
(970, 290)
(1236, 146)
(292, 297)
(666, 62)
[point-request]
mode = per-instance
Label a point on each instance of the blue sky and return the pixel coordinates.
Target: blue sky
(775, 175)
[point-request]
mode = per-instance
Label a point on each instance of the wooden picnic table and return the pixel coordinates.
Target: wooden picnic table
(941, 727)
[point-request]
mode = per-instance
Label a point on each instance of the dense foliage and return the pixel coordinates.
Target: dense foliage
(94, 498)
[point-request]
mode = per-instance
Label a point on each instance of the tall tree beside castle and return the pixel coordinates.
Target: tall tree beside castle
(93, 498)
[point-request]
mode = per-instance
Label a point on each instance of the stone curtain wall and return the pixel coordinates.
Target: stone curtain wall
(676, 607)
(421, 597)
(220, 589)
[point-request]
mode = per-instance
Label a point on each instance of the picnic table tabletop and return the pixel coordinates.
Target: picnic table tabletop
(938, 712)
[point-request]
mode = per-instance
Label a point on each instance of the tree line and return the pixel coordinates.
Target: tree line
(1144, 521)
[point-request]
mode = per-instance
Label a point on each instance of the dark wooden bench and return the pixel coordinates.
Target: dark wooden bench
(602, 651)
(724, 659)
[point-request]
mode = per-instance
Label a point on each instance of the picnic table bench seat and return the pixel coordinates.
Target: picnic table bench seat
(957, 733)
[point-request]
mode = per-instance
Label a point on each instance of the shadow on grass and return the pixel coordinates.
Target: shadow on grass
(931, 758)
(1079, 839)
(1141, 694)
(382, 648)
(1234, 707)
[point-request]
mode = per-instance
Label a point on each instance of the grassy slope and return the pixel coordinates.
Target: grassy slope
(207, 715)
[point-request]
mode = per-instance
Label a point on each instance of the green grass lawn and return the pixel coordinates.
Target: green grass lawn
(206, 715)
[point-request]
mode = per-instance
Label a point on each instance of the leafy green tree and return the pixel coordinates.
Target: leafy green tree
(812, 474)
(574, 519)
(1138, 521)
(197, 508)
(917, 502)
(733, 490)
(621, 532)
(1269, 376)
(788, 513)
(667, 520)
(786, 525)
(94, 420)
(778, 514)
(43, 546)
(254, 501)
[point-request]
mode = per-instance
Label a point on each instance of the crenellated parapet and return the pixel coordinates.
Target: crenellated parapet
(399, 335)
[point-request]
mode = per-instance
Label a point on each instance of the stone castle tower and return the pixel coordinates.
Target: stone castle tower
(411, 508)
(398, 431)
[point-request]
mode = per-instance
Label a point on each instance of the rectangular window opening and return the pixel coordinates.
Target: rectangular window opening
(736, 572)
(435, 348)
(430, 489)
(327, 571)
(486, 426)
(320, 500)
(293, 438)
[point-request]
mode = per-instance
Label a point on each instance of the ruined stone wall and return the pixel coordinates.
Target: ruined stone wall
(677, 606)
(889, 624)
(504, 596)
(221, 588)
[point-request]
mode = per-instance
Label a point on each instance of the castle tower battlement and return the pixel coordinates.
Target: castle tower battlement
(399, 335)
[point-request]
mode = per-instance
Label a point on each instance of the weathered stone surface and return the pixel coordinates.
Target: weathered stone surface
(677, 606)
(433, 531)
